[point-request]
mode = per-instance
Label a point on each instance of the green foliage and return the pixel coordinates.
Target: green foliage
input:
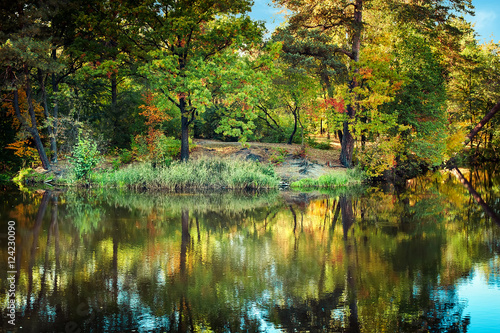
(126, 156)
(168, 147)
(420, 104)
(348, 177)
(85, 157)
(379, 156)
(22, 174)
(199, 174)
(115, 163)
(139, 147)
(318, 145)
(28, 175)
(278, 155)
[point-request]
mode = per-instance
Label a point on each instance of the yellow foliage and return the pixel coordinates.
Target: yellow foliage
(23, 106)
(22, 149)
(454, 142)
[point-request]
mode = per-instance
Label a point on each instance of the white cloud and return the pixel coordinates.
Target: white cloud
(486, 24)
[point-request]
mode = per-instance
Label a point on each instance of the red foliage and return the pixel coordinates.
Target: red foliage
(337, 104)
(154, 118)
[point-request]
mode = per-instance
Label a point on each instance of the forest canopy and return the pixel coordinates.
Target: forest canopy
(394, 83)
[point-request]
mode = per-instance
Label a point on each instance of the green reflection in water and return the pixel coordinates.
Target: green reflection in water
(367, 262)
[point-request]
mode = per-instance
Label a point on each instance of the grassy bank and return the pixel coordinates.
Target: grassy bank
(195, 175)
(201, 174)
(338, 178)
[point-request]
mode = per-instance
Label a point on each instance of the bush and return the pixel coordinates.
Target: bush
(85, 157)
(126, 156)
(278, 156)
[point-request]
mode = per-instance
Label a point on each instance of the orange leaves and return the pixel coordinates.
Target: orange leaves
(366, 73)
(22, 149)
(23, 105)
(153, 115)
(181, 96)
(154, 118)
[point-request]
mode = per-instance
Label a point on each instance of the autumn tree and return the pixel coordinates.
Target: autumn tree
(25, 52)
(345, 22)
(185, 36)
(473, 91)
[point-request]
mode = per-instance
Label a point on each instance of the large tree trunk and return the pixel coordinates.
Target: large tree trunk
(50, 128)
(55, 110)
(184, 130)
(295, 121)
(347, 147)
(33, 130)
(481, 124)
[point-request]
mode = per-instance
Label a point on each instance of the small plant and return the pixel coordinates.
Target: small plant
(126, 156)
(116, 163)
(22, 174)
(278, 156)
(85, 157)
(139, 147)
(302, 152)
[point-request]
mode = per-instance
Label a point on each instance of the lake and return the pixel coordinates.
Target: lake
(425, 258)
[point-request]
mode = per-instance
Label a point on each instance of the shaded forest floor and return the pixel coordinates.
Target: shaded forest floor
(291, 162)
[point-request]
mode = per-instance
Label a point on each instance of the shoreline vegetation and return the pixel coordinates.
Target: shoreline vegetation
(209, 173)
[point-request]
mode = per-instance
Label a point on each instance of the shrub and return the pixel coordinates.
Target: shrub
(278, 156)
(85, 157)
(126, 156)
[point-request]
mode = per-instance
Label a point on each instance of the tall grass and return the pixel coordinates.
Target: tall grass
(338, 178)
(192, 175)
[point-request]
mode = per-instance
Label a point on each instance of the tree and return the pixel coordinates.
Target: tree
(185, 36)
(19, 57)
(343, 21)
(293, 91)
(26, 54)
(420, 104)
(310, 51)
(473, 89)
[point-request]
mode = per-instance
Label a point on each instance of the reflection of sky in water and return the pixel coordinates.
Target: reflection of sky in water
(482, 295)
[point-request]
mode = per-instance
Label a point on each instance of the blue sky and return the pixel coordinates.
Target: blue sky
(262, 11)
(487, 19)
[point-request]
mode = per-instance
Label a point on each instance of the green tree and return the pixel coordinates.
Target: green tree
(185, 36)
(420, 104)
(345, 21)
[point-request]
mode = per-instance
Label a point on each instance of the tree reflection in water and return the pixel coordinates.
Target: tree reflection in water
(379, 261)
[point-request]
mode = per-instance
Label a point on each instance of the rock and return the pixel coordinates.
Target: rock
(254, 157)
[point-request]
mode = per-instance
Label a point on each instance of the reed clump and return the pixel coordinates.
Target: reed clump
(200, 174)
(338, 178)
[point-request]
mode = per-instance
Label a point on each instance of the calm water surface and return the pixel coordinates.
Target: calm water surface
(422, 259)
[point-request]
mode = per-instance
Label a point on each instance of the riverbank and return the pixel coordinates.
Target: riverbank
(215, 165)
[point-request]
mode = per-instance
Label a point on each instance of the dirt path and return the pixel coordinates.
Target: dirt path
(291, 162)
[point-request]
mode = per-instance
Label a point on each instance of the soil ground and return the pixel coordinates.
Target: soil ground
(292, 162)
